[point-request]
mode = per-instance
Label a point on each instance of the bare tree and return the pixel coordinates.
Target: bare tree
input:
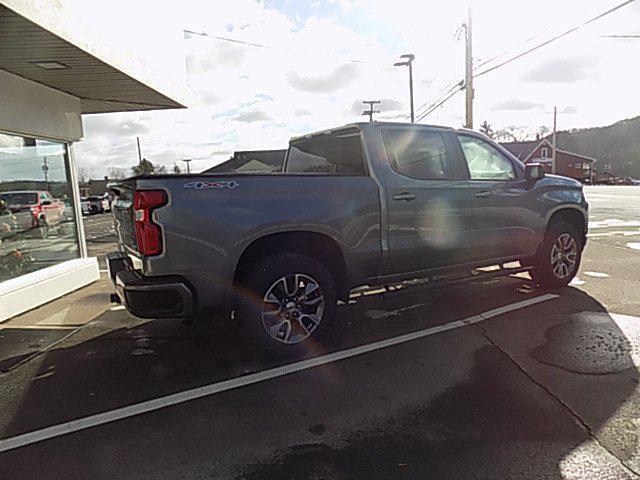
(487, 129)
(145, 167)
(512, 133)
(176, 169)
(84, 174)
(115, 173)
(543, 131)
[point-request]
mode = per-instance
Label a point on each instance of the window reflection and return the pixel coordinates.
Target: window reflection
(37, 219)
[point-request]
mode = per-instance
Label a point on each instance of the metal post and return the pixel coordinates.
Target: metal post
(469, 68)
(553, 157)
(371, 111)
(411, 89)
(45, 169)
(75, 196)
(139, 153)
(410, 57)
(187, 160)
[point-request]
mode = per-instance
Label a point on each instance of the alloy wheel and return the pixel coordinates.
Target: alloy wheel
(292, 308)
(564, 255)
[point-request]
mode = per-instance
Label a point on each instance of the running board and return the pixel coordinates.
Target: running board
(477, 274)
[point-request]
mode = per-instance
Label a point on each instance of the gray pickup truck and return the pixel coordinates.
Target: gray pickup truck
(364, 204)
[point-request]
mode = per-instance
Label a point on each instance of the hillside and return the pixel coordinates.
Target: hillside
(617, 145)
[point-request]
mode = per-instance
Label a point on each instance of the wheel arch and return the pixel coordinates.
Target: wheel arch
(571, 215)
(318, 246)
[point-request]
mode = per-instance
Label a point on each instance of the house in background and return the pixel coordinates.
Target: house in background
(568, 164)
(251, 161)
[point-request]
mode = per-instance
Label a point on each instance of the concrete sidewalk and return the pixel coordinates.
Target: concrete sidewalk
(25, 336)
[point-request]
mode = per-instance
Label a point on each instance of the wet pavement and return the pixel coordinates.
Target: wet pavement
(548, 390)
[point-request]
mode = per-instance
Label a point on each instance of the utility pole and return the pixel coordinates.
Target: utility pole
(187, 160)
(371, 111)
(410, 58)
(139, 153)
(553, 140)
(469, 67)
(45, 170)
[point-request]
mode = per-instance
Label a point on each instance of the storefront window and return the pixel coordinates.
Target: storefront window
(37, 219)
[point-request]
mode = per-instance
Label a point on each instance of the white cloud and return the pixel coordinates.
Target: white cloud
(253, 116)
(564, 70)
(516, 104)
(339, 78)
(246, 97)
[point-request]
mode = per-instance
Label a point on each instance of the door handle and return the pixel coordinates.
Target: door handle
(483, 194)
(404, 197)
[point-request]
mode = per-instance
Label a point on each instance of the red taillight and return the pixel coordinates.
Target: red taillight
(148, 234)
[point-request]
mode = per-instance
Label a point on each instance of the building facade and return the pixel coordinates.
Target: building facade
(62, 64)
(568, 164)
(251, 161)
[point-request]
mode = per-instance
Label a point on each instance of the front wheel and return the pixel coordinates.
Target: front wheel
(286, 303)
(559, 257)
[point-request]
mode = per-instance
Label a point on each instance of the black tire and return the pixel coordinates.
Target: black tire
(543, 272)
(298, 335)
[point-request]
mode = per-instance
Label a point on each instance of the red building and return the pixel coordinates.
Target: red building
(568, 164)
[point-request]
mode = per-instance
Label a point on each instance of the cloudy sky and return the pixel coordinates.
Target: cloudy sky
(320, 59)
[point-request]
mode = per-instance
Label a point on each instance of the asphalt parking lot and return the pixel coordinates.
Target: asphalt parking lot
(492, 379)
(100, 235)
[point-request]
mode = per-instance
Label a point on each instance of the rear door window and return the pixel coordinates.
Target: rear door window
(339, 153)
(418, 153)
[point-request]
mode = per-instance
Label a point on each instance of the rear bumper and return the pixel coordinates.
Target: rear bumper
(150, 297)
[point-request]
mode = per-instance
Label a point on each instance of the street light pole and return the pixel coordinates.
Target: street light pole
(187, 160)
(410, 57)
(553, 141)
(469, 69)
(45, 170)
(139, 152)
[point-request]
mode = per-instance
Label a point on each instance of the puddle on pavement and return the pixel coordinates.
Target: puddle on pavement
(589, 343)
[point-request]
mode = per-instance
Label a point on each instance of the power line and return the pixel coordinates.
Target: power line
(284, 50)
(526, 52)
(443, 92)
(631, 35)
(554, 38)
(441, 102)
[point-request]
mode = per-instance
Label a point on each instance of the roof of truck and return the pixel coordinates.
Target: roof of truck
(359, 125)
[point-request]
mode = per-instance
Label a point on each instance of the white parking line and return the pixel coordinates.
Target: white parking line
(207, 390)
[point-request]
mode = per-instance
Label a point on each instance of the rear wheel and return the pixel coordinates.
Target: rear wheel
(559, 257)
(286, 303)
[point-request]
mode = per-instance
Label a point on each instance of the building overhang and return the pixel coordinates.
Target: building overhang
(31, 51)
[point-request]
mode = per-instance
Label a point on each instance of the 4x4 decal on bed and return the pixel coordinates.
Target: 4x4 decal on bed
(200, 185)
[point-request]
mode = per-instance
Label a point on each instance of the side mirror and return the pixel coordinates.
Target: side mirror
(533, 171)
